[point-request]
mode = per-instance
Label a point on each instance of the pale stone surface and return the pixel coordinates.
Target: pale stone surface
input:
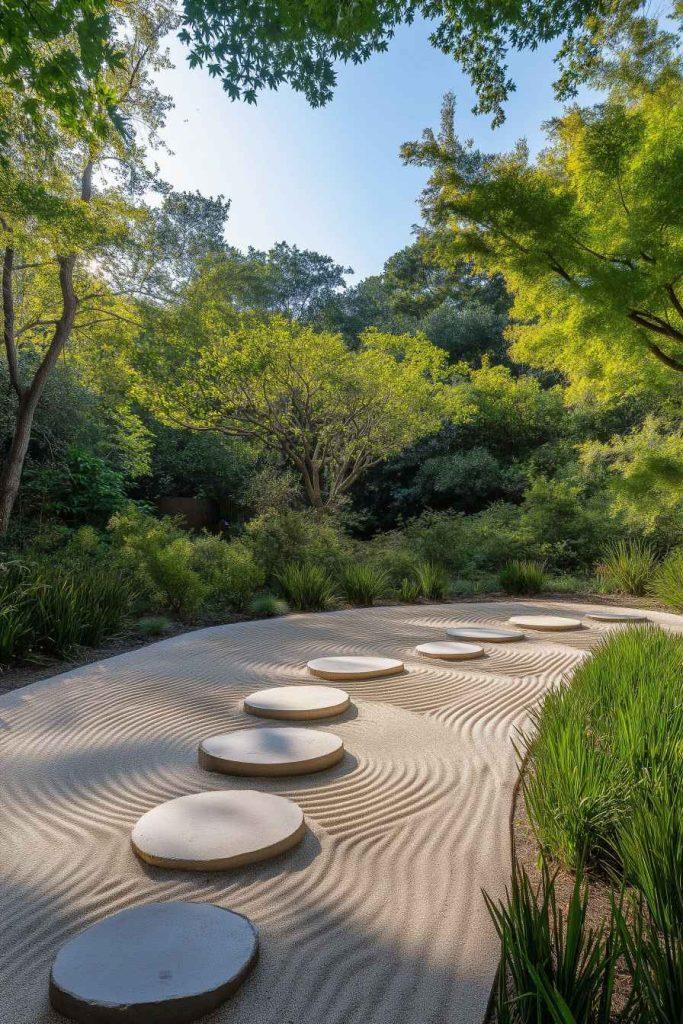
(353, 667)
(279, 751)
(218, 830)
(485, 634)
(616, 617)
(550, 623)
(164, 962)
(297, 702)
(450, 651)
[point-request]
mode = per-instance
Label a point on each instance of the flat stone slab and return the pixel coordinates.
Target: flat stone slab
(279, 751)
(164, 962)
(297, 703)
(450, 651)
(549, 623)
(616, 617)
(218, 830)
(352, 667)
(485, 634)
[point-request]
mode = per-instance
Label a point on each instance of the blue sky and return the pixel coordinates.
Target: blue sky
(331, 179)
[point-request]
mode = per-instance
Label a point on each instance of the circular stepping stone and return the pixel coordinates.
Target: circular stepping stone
(297, 703)
(485, 634)
(271, 751)
(352, 667)
(549, 623)
(616, 617)
(162, 962)
(215, 831)
(450, 651)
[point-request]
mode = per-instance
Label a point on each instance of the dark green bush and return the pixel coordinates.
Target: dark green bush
(362, 585)
(278, 538)
(308, 588)
(267, 606)
(521, 577)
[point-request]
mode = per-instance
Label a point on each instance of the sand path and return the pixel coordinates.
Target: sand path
(377, 918)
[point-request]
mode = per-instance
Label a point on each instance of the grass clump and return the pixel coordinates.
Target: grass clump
(667, 583)
(522, 577)
(555, 968)
(308, 588)
(153, 625)
(604, 741)
(627, 568)
(267, 606)
(362, 585)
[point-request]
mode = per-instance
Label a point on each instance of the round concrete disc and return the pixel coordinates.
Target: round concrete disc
(485, 634)
(549, 623)
(352, 667)
(283, 751)
(214, 831)
(297, 703)
(163, 962)
(450, 651)
(616, 617)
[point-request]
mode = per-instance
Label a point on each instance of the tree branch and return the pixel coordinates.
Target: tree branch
(8, 320)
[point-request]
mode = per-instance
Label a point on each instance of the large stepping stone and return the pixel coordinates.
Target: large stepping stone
(450, 651)
(485, 634)
(297, 703)
(342, 667)
(218, 830)
(548, 623)
(283, 751)
(163, 963)
(616, 617)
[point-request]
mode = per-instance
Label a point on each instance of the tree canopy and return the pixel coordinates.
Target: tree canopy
(329, 413)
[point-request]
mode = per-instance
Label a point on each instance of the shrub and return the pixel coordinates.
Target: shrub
(521, 577)
(308, 588)
(409, 590)
(553, 970)
(153, 625)
(627, 567)
(228, 571)
(277, 539)
(268, 605)
(667, 583)
(604, 740)
(432, 581)
(362, 585)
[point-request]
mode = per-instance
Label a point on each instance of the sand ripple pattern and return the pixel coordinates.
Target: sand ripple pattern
(377, 918)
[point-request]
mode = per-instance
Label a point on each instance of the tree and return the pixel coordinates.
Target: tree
(589, 237)
(63, 209)
(328, 413)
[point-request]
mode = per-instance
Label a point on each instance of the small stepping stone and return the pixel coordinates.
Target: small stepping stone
(218, 830)
(485, 634)
(164, 962)
(283, 751)
(352, 667)
(616, 617)
(297, 703)
(450, 651)
(549, 623)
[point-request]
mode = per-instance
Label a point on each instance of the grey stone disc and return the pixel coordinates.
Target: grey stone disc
(549, 623)
(279, 751)
(218, 830)
(348, 666)
(450, 651)
(616, 617)
(297, 703)
(485, 634)
(163, 963)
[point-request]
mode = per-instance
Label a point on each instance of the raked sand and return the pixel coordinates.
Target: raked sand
(377, 917)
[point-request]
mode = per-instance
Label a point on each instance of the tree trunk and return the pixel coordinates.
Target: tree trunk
(12, 467)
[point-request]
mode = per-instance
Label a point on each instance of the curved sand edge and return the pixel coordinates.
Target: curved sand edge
(403, 834)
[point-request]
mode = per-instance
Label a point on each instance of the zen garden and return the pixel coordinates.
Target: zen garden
(341, 610)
